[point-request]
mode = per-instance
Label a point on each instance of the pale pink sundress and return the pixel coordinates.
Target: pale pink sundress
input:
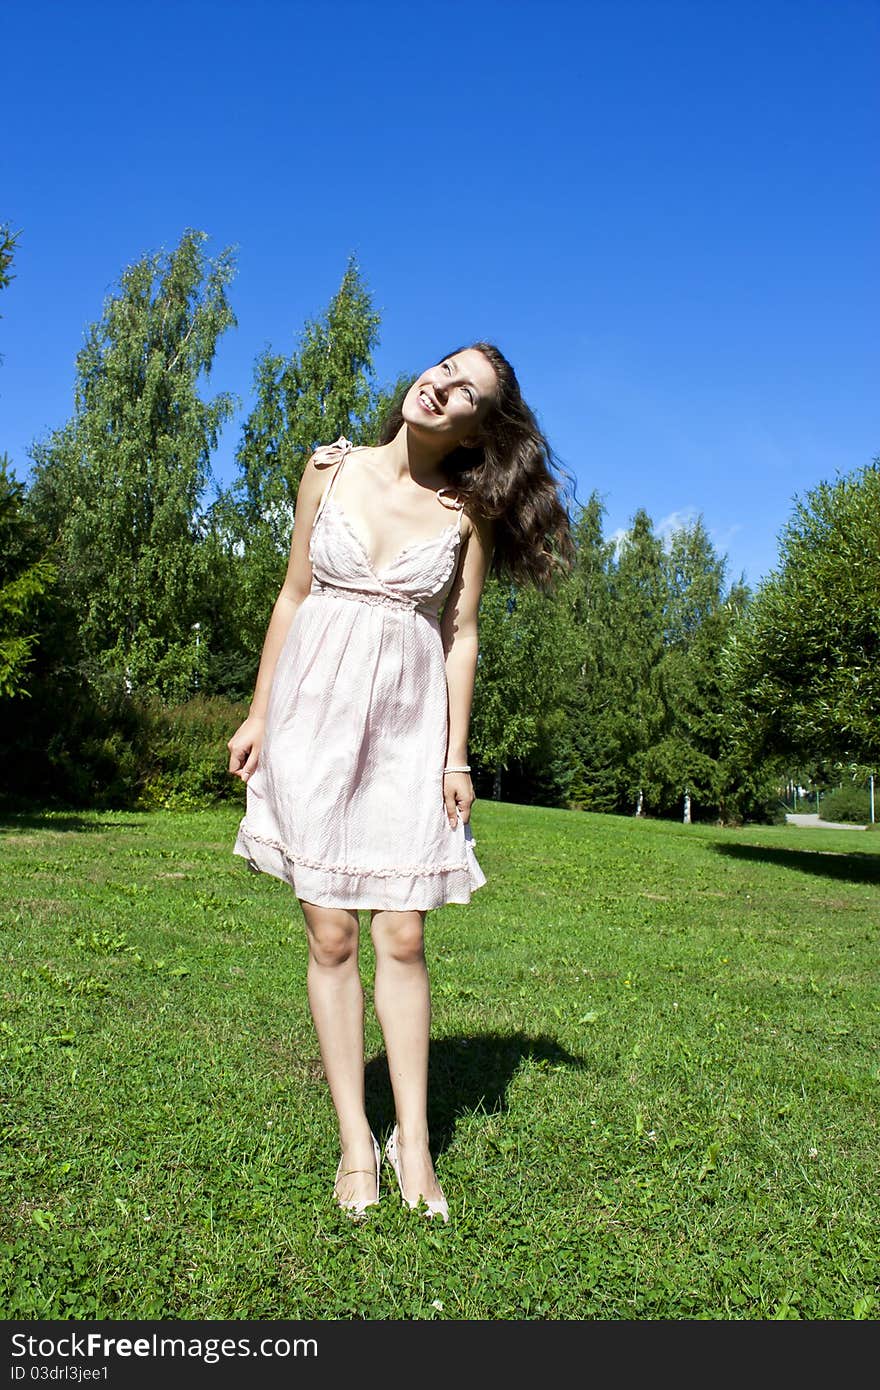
(346, 803)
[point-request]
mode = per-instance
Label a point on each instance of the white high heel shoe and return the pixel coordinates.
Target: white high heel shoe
(437, 1206)
(358, 1209)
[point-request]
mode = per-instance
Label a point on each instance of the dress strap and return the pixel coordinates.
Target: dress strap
(455, 502)
(324, 457)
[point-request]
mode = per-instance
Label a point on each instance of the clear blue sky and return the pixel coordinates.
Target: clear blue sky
(665, 214)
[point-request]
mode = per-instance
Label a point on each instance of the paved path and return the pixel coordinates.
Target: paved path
(814, 820)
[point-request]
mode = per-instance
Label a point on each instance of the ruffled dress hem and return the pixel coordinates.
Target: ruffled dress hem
(414, 888)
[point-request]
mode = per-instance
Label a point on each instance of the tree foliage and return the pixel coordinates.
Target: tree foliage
(321, 391)
(118, 488)
(688, 758)
(326, 388)
(25, 575)
(8, 242)
(592, 709)
(25, 579)
(527, 661)
(647, 723)
(802, 664)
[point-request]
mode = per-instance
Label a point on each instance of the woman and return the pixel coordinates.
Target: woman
(355, 749)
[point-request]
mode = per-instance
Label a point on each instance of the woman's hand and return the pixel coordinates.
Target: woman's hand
(244, 747)
(458, 796)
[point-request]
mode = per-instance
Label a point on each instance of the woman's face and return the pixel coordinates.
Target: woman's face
(448, 402)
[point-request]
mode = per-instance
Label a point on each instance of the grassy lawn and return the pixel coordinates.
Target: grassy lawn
(654, 1080)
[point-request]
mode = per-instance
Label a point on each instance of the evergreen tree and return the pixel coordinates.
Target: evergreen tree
(525, 667)
(637, 613)
(593, 704)
(685, 762)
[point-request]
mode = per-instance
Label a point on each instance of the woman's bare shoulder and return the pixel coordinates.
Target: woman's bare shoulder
(481, 527)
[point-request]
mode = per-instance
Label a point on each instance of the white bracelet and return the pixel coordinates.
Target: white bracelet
(464, 768)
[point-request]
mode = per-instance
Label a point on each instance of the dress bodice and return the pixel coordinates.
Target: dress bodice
(420, 575)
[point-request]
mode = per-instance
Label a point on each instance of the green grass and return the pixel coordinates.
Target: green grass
(654, 1080)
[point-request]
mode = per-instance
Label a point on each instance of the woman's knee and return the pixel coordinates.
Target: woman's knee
(332, 933)
(400, 935)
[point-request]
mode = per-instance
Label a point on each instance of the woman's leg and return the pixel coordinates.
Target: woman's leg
(403, 1008)
(336, 1000)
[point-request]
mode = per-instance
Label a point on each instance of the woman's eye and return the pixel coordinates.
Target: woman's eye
(469, 394)
(446, 367)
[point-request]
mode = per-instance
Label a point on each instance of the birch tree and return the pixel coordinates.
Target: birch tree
(119, 488)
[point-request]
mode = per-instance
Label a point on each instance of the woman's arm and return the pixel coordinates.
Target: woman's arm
(244, 746)
(459, 631)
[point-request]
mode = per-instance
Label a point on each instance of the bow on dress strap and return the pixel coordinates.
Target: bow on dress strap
(450, 499)
(327, 454)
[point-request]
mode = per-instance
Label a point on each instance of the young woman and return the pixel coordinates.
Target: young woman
(354, 752)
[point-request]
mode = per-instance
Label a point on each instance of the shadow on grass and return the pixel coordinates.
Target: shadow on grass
(465, 1074)
(846, 866)
(10, 821)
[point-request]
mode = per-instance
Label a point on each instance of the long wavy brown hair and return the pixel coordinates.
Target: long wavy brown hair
(508, 478)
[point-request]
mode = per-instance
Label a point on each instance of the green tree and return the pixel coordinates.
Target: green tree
(593, 705)
(8, 242)
(802, 665)
(324, 389)
(639, 601)
(321, 391)
(25, 578)
(524, 669)
(119, 487)
(687, 758)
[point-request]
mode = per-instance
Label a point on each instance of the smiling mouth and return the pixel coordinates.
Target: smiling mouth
(426, 401)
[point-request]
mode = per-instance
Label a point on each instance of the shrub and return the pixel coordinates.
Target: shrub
(73, 745)
(848, 804)
(188, 758)
(84, 744)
